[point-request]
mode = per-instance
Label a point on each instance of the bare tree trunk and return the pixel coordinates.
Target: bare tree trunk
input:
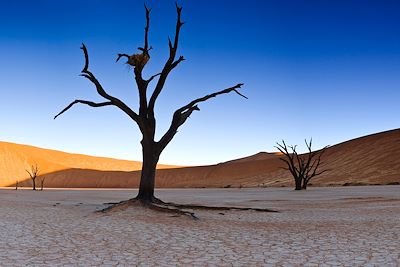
(33, 184)
(42, 184)
(298, 184)
(148, 174)
(305, 183)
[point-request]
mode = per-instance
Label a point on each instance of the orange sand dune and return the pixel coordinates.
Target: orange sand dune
(373, 159)
(16, 158)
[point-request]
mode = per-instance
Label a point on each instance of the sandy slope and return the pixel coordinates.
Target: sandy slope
(373, 159)
(16, 158)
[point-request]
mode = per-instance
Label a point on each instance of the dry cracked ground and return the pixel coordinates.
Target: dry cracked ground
(343, 226)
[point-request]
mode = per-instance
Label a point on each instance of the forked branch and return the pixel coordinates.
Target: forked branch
(152, 77)
(289, 160)
(205, 98)
(100, 90)
(170, 64)
(33, 172)
(182, 114)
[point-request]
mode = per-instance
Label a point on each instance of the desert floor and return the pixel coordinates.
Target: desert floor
(342, 226)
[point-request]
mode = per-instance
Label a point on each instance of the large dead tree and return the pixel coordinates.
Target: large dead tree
(145, 117)
(33, 173)
(302, 167)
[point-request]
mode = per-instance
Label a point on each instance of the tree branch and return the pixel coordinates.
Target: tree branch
(179, 24)
(205, 98)
(34, 171)
(146, 48)
(31, 175)
(183, 113)
(290, 157)
(138, 61)
(100, 90)
(170, 64)
(90, 76)
(122, 55)
(152, 77)
(176, 62)
(289, 167)
(317, 163)
(89, 103)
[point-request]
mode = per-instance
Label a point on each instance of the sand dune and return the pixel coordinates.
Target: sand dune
(16, 158)
(373, 159)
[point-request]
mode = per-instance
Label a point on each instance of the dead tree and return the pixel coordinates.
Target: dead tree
(33, 173)
(16, 184)
(42, 183)
(145, 117)
(302, 167)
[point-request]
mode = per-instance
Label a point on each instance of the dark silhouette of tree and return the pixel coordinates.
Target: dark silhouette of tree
(302, 167)
(16, 184)
(145, 118)
(42, 182)
(33, 173)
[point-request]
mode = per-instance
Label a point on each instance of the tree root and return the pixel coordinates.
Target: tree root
(201, 207)
(155, 204)
(178, 209)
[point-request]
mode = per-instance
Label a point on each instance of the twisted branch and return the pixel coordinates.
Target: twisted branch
(100, 90)
(183, 113)
(89, 103)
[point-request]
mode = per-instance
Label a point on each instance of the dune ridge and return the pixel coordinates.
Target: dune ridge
(16, 158)
(372, 159)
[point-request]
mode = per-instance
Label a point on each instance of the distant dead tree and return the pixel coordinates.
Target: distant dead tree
(145, 117)
(302, 167)
(16, 184)
(42, 183)
(33, 173)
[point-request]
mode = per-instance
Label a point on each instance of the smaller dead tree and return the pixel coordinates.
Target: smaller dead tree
(302, 167)
(33, 173)
(42, 183)
(16, 184)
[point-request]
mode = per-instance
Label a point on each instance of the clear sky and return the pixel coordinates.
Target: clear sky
(323, 69)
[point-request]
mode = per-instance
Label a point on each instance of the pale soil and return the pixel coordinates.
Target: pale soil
(343, 226)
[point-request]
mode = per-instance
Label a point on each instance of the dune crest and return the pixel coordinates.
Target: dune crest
(16, 158)
(372, 159)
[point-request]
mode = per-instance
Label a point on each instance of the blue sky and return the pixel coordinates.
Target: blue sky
(323, 69)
